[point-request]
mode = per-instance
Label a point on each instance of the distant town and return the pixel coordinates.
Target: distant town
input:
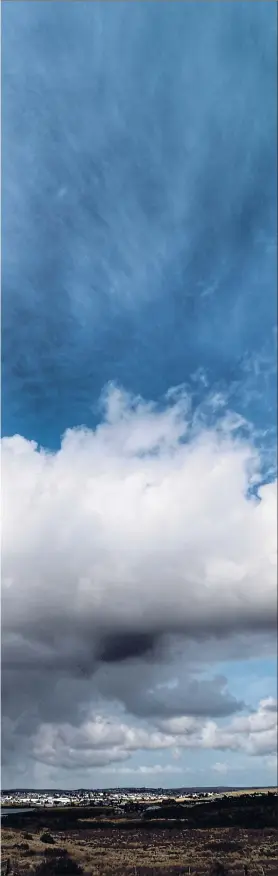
(81, 797)
(119, 797)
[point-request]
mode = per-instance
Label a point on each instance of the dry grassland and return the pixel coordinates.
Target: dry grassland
(114, 852)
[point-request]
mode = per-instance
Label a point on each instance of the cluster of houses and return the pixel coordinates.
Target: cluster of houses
(50, 798)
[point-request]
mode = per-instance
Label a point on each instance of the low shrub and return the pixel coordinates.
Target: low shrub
(64, 866)
(218, 869)
(55, 853)
(47, 838)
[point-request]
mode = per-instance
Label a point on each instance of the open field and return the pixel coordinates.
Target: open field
(133, 847)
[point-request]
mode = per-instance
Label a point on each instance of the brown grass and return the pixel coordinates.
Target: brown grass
(137, 853)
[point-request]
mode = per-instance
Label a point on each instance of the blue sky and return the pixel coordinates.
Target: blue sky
(138, 253)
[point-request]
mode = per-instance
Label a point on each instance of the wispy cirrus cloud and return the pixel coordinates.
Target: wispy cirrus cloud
(139, 201)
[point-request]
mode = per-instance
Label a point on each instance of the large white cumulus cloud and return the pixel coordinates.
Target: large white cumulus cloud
(141, 527)
(138, 541)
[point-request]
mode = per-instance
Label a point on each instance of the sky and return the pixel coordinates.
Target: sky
(139, 331)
